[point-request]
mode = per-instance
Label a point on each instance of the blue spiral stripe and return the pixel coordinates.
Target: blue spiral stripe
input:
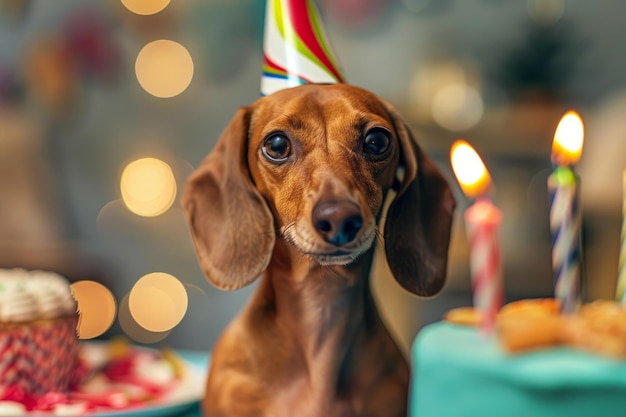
(565, 236)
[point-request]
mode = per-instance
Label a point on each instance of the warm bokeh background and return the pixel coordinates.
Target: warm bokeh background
(104, 113)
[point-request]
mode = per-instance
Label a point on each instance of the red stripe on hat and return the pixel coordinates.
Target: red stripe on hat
(274, 66)
(302, 25)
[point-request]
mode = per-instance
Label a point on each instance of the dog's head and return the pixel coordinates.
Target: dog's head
(312, 164)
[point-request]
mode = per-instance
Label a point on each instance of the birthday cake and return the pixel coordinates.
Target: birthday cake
(38, 341)
(537, 364)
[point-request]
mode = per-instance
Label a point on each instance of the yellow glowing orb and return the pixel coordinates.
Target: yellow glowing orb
(469, 169)
(164, 68)
(457, 107)
(145, 7)
(97, 308)
(158, 302)
(148, 187)
(133, 330)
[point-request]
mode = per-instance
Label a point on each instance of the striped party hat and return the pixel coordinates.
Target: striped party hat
(295, 48)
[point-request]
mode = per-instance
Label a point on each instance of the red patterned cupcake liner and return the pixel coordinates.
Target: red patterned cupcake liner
(38, 357)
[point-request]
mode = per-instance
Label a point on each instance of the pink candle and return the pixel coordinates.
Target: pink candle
(482, 221)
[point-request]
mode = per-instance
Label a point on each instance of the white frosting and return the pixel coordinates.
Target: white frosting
(17, 305)
(30, 295)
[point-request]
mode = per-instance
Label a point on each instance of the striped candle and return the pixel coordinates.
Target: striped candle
(295, 48)
(621, 271)
(565, 213)
(482, 222)
(565, 221)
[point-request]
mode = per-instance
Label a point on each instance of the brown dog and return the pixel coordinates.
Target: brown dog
(293, 192)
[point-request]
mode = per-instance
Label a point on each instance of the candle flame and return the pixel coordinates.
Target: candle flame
(567, 145)
(469, 169)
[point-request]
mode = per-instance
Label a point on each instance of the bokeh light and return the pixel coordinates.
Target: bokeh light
(148, 187)
(164, 68)
(145, 7)
(158, 302)
(546, 11)
(97, 307)
(457, 107)
(133, 330)
(447, 93)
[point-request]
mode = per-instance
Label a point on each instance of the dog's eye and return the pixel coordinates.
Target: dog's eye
(376, 142)
(277, 148)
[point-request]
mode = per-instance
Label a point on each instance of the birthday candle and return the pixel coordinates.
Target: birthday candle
(563, 188)
(621, 271)
(565, 213)
(482, 221)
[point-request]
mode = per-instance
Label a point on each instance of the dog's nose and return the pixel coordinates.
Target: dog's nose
(338, 222)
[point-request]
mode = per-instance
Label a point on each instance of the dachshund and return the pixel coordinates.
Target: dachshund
(293, 194)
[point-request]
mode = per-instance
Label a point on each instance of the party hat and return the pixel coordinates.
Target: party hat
(295, 47)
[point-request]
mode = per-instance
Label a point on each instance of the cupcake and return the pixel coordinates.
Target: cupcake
(38, 339)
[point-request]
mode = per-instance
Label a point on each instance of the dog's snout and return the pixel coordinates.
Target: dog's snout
(338, 222)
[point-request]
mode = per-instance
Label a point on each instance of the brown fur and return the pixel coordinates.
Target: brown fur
(310, 341)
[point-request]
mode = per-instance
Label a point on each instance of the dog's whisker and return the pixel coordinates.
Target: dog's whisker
(288, 233)
(380, 237)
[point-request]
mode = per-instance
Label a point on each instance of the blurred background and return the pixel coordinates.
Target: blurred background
(106, 106)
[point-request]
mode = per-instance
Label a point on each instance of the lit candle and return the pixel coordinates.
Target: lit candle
(621, 272)
(482, 222)
(565, 213)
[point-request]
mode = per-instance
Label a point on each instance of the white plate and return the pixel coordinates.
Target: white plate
(185, 396)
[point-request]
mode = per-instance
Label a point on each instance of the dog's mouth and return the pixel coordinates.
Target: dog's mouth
(339, 257)
(325, 254)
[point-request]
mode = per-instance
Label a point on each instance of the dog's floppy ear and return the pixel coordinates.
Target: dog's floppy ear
(231, 225)
(419, 219)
